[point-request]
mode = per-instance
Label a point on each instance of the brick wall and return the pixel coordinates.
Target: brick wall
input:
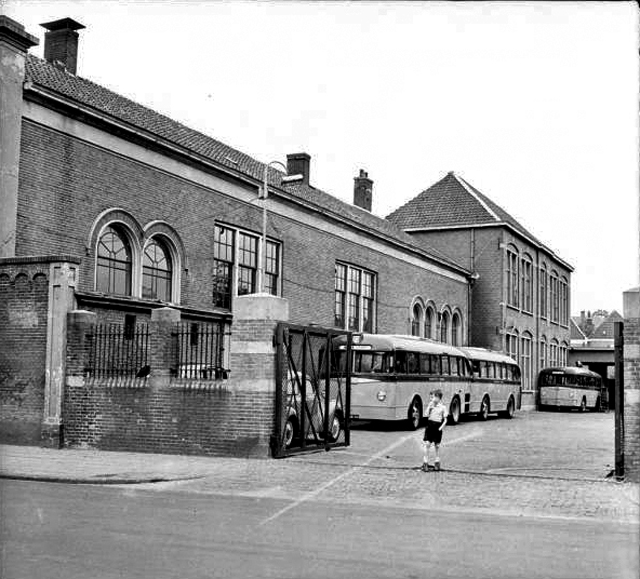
(64, 180)
(233, 416)
(631, 355)
(24, 296)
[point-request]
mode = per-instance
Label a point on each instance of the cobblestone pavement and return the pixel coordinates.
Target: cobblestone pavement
(537, 465)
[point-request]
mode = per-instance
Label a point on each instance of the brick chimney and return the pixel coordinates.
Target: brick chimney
(299, 164)
(362, 190)
(61, 43)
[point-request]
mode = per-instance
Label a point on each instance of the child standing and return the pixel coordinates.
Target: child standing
(436, 421)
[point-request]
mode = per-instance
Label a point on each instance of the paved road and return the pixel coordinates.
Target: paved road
(55, 531)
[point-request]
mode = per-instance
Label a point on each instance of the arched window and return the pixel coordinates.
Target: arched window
(444, 327)
(543, 352)
(543, 291)
(416, 320)
(525, 360)
(157, 271)
(564, 350)
(513, 288)
(114, 263)
(456, 330)
(526, 283)
(553, 353)
(554, 296)
(511, 345)
(564, 301)
(429, 324)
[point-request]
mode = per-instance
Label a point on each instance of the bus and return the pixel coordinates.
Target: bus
(392, 376)
(570, 387)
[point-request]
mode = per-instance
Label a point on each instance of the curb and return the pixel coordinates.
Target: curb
(98, 480)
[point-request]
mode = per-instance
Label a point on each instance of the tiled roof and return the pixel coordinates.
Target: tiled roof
(575, 332)
(121, 109)
(605, 329)
(453, 202)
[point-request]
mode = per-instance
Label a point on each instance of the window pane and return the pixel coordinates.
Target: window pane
(156, 272)
(114, 263)
(222, 285)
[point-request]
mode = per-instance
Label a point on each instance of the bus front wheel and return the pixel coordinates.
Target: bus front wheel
(414, 415)
(454, 411)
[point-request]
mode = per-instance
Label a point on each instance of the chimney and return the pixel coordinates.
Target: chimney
(61, 43)
(299, 164)
(362, 190)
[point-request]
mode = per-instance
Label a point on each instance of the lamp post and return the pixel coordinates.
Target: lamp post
(264, 195)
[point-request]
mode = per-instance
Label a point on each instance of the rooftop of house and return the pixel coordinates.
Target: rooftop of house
(452, 202)
(599, 326)
(55, 82)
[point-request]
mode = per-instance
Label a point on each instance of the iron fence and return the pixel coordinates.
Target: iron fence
(118, 350)
(200, 352)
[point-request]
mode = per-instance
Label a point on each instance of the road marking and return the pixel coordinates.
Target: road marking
(376, 456)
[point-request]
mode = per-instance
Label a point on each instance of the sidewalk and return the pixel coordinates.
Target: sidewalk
(99, 467)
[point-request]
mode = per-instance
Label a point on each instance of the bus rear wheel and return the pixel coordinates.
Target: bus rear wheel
(484, 409)
(454, 411)
(511, 408)
(414, 414)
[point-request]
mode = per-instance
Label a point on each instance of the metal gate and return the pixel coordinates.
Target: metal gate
(312, 389)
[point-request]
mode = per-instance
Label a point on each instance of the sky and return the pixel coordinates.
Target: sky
(535, 104)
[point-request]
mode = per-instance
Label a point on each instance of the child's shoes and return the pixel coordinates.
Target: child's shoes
(437, 465)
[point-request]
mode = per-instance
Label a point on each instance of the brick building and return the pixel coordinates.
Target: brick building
(111, 208)
(520, 298)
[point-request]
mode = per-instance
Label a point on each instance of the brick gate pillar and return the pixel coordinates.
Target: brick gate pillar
(14, 44)
(631, 357)
(253, 359)
(63, 277)
(163, 322)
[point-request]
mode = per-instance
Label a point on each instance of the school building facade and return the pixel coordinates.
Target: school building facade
(120, 225)
(520, 297)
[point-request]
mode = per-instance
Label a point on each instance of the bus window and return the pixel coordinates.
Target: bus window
(435, 364)
(445, 364)
(453, 365)
(401, 363)
(424, 364)
(412, 363)
(476, 368)
(499, 368)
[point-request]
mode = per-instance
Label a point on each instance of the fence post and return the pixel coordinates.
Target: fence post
(631, 394)
(161, 352)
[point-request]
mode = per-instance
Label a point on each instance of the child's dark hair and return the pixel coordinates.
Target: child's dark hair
(438, 393)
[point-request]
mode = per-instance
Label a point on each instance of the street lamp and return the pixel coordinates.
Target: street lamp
(264, 195)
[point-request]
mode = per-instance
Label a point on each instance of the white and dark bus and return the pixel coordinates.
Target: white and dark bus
(392, 377)
(570, 387)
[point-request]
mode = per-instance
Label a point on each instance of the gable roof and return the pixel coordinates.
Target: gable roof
(575, 333)
(454, 203)
(55, 83)
(605, 329)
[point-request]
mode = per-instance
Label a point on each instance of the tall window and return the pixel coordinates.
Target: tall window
(272, 269)
(114, 263)
(525, 360)
(456, 330)
(512, 345)
(416, 320)
(223, 254)
(367, 301)
(247, 263)
(554, 296)
(429, 323)
(341, 295)
(564, 301)
(543, 353)
(354, 298)
(544, 290)
(553, 353)
(526, 282)
(235, 266)
(444, 327)
(513, 291)
(157, 271)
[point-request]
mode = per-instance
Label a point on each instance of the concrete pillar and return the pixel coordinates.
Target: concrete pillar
(631, 361)
(163, 322)
(63, 278)
(14, 44)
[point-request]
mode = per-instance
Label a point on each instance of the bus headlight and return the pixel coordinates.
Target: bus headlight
(382, 395)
